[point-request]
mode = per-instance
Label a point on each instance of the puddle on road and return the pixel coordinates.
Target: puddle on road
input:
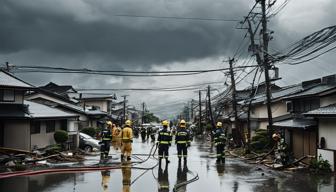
(233, 176)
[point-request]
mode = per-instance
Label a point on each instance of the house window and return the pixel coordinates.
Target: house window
(64, 125)
(7, 95)
(35, 127)
(50, 126)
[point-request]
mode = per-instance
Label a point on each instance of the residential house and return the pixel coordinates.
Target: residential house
(101, 102)
(27, 125)
(88, 117)
(301, 132)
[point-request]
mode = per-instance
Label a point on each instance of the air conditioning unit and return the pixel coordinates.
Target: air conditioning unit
(289, 106)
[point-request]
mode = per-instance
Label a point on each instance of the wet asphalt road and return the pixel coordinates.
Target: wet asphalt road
(234, 176)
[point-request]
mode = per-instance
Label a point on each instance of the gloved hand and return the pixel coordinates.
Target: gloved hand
(188, 145)
(131, 141)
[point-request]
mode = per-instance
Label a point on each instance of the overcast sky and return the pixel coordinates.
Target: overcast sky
(88, 34)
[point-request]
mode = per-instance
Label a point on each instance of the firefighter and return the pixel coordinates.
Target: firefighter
(126, 177)
(164, 142)
(182, 140)
(281, 152)
(116, 134)
(106, 137)
(143, 133)
(220, 140)
(163, 179)
(105, 179)
(127, 140)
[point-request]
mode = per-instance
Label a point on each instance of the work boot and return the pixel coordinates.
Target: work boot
(122, 157)
(185, 160)
(167, 161)
(128, 158)
(223, 160)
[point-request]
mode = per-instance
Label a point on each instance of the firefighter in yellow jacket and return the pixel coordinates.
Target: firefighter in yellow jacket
(127, 140)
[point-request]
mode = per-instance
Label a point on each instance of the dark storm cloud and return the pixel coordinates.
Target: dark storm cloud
(156, 41)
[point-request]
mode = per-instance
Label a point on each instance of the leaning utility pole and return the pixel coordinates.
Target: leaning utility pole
(234, 101)
(265, 39)
(200, 113)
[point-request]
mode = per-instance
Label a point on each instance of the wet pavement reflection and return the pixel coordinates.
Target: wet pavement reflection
(235, 175)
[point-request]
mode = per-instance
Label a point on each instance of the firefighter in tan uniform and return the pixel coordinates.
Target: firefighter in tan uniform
(116, 137)
(127, 140)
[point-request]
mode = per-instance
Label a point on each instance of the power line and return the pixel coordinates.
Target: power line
(176, 18)
(154, 88)
(42, 69)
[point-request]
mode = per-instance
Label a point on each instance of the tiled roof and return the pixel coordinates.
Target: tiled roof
(9, 80)
(313, 91)
(329, 110)
(36, 110)
(32, 110)
(296, 123)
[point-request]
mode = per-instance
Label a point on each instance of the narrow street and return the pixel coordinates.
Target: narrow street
(234, 176)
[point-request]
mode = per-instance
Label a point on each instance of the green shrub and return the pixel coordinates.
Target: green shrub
(320, 165)
(89, 131)
(61, 136)
(260, 140)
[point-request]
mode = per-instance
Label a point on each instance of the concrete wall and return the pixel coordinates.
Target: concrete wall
(327, 155)
(324, 101)
(327, 129)
(17, 134)
(44, 139)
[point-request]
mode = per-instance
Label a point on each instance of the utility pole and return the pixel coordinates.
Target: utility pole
(124, 110)
(200, 112)
(234, 102)
(210, 110)
(192, 110)
(265, 39)
(143, 113)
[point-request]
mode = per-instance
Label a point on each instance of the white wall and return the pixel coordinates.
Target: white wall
(327, 155)
(44, 139)
(327, 129)
(17, 134)
(278, 109)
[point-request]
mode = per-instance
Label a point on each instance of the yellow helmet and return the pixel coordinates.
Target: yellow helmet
(182, 123)
(109, 123)
(128, 123)
(219, 124)
(165, 123)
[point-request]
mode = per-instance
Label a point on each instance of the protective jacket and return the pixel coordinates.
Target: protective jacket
(164, 137)
(219, 137)
(182, 137)
(127, 134)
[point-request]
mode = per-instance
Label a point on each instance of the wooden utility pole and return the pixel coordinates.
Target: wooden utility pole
(234, 102)
(210, 109)
(124, 110)
(192, 110)
(200, 113)
(266, 66)
(143, 113)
